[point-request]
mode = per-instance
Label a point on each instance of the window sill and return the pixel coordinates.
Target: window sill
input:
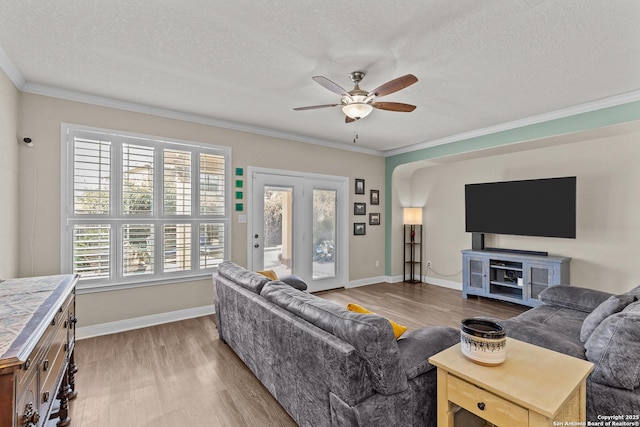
(107, 287)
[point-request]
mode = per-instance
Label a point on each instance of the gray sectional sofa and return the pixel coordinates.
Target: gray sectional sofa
(597, 326)
(325, 365)
(328, 366)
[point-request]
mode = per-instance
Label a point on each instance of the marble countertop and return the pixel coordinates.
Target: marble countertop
(19, 299)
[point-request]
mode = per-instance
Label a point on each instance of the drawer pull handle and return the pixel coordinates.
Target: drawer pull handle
(481, 406)
(45, 365)
(31, 415)
(45, 397)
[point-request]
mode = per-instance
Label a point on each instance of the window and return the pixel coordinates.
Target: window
(138, 209)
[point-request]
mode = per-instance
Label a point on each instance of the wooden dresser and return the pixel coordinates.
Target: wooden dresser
(37, 337)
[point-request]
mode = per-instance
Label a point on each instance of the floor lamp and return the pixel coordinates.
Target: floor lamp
(412, 245)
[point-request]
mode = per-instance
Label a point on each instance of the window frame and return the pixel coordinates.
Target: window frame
(117, 219)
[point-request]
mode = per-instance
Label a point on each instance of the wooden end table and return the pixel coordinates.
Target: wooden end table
(533, 387)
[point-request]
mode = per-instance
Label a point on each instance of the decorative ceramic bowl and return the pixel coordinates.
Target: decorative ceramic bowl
(483, 341)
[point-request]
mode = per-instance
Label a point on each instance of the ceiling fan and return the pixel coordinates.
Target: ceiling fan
(357, 103)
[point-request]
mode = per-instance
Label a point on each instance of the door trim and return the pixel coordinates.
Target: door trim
(342, 221)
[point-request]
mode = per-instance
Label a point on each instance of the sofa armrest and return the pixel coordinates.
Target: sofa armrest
(417, 346)
(573, 297)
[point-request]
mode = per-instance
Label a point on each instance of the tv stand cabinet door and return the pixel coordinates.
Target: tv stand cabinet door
(475, 275)
(538, 276)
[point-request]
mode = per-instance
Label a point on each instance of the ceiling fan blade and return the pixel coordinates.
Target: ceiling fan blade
(394, 106)
(328, 84)
(348, 119)
(313, 107)
(394, 85)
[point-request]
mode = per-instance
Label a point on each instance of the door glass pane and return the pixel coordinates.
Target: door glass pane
(324, 233)
(278, 228)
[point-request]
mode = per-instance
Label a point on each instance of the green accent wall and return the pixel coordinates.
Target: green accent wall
(579, 122)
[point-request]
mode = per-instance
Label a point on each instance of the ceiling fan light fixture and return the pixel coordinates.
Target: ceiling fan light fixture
(357, 110)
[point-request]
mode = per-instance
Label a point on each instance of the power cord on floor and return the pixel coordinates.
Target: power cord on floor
(429, 268)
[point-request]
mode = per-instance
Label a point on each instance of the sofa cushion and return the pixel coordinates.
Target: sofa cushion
(573, 297)
(634, 292)
(614, 349)
(614, 304)
(544, 336)
(398, 329)
(294, 281)
(417, 346)
(247, 279)
(371, 335)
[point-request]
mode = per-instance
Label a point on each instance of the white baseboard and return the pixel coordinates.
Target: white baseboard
(434, 281)
(367, 281)
(442, 282)
(142, 322)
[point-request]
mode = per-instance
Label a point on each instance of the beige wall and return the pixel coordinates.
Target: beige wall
(41, 120)
(9, 149)
(604, 254)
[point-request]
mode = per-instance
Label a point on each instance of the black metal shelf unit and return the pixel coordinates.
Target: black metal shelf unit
(412, 253)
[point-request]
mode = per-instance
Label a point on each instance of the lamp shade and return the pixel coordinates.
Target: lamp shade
(357, 110)
(412, 216)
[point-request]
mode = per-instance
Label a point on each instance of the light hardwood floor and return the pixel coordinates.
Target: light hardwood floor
(180, 374)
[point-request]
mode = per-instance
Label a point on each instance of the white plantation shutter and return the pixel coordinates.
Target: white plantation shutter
(212, 184)
(177, 182)
(91, 177)
(137, 179)
(138, 249)
(91, 250)
(212, 244)
(140, 209)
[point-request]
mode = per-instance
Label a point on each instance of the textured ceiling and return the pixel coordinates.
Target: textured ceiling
(480, 63)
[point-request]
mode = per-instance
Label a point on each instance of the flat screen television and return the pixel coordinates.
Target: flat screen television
(536, 207)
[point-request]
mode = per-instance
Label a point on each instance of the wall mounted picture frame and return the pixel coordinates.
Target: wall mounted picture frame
(359, 229)
(359, 186)
(374, 197)
(359, 208)
(374, 219)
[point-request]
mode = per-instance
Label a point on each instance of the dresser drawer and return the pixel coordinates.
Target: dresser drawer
(485, 404)
(27, 404)
(52, 368)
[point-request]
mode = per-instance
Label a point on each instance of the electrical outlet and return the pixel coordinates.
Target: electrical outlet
(428, 264)
(377, 263)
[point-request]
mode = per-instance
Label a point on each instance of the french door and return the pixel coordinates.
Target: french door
(298, 225)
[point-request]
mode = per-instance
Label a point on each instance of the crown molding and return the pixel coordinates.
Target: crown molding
(38, 89)
(70, 95)
(599, 104)
(11, 70)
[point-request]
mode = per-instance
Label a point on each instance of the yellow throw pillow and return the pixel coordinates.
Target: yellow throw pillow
(270, 274)
(397, 329)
